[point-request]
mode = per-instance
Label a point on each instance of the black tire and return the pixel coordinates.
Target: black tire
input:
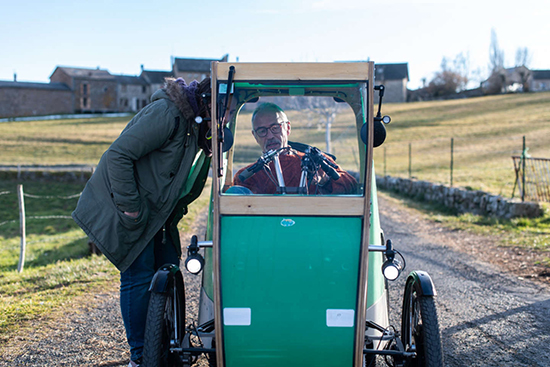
(420, 327)
(160, 327)
(369, 360)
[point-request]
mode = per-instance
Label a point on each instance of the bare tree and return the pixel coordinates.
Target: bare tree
(523, 59)
(496, 55)
(451, 79)
(497, 78)
(523, 56)
(321, 111)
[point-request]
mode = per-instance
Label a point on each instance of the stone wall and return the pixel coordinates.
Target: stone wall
(28, 101)
(461, 200)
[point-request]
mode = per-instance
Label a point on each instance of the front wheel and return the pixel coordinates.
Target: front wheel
(164, 327)
(420, 327)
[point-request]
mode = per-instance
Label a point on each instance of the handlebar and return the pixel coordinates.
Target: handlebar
(326, 165)
(314, 154)
(260, 163)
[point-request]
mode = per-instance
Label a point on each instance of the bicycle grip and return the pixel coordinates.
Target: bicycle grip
(330, 171)
(250, 171)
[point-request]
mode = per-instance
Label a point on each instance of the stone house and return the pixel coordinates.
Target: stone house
(94, 90)
(193, 69)
(395, 78)
(133, 93)
(154, 80)
(34, 99)
(540, 80)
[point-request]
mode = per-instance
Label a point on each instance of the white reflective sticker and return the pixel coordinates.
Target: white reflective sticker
(340, 318)
(236, 316)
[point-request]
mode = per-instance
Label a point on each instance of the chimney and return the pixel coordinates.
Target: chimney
(141, 68)
(14, 77)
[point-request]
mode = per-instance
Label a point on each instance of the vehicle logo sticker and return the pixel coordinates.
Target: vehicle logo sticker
(287, 222)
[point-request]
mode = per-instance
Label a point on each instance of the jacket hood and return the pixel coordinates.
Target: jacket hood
(173, 92)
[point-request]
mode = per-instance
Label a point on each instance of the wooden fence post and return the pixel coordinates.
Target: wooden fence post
(452, 158)
(523, 156)
(410, 161)
(22, 228)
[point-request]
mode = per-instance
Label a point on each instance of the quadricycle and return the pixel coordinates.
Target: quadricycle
(295, 275)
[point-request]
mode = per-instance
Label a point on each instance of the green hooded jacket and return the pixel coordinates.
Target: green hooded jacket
(144, 170)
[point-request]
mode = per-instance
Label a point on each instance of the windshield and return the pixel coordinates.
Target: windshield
(296, 139)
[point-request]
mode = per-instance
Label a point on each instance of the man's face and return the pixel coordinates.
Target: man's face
(264, 124)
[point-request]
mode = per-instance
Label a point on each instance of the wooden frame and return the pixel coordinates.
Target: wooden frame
(297, 71)
(295, 205)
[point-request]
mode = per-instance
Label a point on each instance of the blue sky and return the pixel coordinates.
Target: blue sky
(36, 36)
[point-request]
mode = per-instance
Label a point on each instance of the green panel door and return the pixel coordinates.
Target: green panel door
(288, 290)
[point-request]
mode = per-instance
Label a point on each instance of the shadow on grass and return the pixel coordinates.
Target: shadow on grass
(43, 256)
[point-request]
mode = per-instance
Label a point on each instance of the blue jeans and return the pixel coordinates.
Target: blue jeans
(134, 288)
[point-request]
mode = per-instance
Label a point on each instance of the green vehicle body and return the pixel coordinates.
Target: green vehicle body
(289, 283)
(298, 273)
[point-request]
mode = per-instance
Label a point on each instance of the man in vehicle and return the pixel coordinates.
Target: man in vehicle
(271, 129)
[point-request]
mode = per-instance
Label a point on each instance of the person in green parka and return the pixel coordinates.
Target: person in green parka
(140, 190)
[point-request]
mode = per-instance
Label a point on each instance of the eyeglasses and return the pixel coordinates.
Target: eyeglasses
(275, 129)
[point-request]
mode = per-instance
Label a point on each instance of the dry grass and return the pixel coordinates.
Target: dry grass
(487, 131)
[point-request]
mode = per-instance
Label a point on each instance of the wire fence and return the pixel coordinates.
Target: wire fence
(532, 178)
(473, 163)
(23, 219)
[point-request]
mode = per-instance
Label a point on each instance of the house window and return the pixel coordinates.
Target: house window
(143, 103)
(144, 89)
(84, 89)
(84, 102)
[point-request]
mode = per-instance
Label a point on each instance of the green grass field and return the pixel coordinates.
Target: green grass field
(58, 265)
(487, 132)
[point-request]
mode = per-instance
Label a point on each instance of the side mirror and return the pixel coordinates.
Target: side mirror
(379, 133)
(227, 139)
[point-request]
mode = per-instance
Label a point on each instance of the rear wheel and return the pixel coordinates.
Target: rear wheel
(165, 323)
(420, 327)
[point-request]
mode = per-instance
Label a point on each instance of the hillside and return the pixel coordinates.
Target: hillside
(487, 131)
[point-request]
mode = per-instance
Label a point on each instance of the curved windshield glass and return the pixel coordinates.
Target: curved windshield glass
(296, 139)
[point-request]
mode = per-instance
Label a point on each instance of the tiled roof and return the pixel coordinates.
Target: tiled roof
(391, 71)
(540, 74)
(155, 76)
(86, 73)
(130, 79)
(30, 85)
(196, 65)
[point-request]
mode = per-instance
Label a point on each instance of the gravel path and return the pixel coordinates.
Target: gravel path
(91, 334)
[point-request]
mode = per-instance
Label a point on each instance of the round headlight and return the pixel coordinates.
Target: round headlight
(194, 264)
(391, 269)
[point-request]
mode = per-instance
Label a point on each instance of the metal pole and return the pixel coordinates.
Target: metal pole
(452, 156)
(523, 171)
(385, 162)
(410, 161)
(22, 228)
